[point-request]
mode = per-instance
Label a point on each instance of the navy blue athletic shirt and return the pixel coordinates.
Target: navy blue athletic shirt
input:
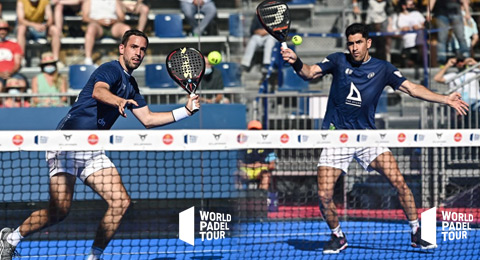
(89, 114)
(356, 89)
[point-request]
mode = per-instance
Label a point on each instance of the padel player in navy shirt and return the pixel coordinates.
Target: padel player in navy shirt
(109, 91)
(358, 82)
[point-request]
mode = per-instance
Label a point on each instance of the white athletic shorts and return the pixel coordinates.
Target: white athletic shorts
(78, 163)
(341, 157)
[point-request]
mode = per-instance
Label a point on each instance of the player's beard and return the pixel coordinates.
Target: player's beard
(129, 63)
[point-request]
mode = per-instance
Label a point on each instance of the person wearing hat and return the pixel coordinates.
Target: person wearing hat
(256, 165)
(14, 86)
(49, 81)
(10, 55)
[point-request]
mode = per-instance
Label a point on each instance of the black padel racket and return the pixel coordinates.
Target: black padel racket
(275, 18)
(186, 66)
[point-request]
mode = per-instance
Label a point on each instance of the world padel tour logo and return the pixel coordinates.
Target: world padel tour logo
(455, 225)
(213, 225)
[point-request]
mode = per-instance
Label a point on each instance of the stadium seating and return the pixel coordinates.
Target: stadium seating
(78, 75)
(235, 25)
(231, 74)
(168, 25)
(156, 76)
(291, 81)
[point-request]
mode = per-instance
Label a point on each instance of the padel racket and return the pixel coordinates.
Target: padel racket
(186, 66)
(275, 18)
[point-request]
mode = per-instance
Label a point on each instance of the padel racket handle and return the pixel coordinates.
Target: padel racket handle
(195, 108)
(284, 45)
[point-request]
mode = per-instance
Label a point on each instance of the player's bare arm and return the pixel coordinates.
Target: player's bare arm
(101, 92)
(308, 72)
(453, 100)
(151, 119)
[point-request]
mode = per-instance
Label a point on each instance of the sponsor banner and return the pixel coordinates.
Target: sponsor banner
(177, 140)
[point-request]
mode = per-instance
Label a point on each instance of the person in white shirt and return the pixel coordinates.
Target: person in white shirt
(410, 19)
(464, 84)
(104, 17)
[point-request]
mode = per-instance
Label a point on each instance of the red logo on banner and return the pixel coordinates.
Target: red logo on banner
(402, 137)
(343, 138)
(17, 139)
(168, 139)
(457, 137)
(93, 139)
(241, 138)
(284, 138)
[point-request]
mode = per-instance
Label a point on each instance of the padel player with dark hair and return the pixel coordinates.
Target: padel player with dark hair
(109, 91)
(358, 82)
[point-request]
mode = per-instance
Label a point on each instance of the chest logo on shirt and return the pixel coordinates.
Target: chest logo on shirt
(124, 86)
(371, 75)
(348, 71)
(354, 98)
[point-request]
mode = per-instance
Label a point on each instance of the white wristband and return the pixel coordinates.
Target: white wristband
(179, 114)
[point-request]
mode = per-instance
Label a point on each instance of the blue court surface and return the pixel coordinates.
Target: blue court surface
(271, 240)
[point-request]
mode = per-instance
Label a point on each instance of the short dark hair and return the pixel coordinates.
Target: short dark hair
(357, 28)
(129, 33)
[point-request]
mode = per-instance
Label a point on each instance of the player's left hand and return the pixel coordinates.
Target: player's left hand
(123, 104)
(455, 101)
(193, 100)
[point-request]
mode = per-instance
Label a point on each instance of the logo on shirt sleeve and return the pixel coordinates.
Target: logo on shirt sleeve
(325, 60)
(398, 74)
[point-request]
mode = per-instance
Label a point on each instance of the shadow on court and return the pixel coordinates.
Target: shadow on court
(306, 245)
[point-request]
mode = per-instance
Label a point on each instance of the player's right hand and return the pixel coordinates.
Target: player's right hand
(288, 55)
(192, 104)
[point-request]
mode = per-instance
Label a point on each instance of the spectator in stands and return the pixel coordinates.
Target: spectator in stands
(138, 8)
(256, 164)
(377, 17)
(10, 55)
(104, 17)
(212, 80)
(13, 86)
(49, 81)
(259, 38)
(35, 20)
(410, 19)
(448, 13)
(65, 7)
(471, 33)
(459, 82)
(206, 7)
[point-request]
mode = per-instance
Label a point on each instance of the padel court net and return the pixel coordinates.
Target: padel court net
(191, 200)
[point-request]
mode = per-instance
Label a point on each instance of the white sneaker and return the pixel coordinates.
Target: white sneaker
(88, 61)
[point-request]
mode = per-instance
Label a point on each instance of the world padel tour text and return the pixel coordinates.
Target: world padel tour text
(213, 225)
(455, 225)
